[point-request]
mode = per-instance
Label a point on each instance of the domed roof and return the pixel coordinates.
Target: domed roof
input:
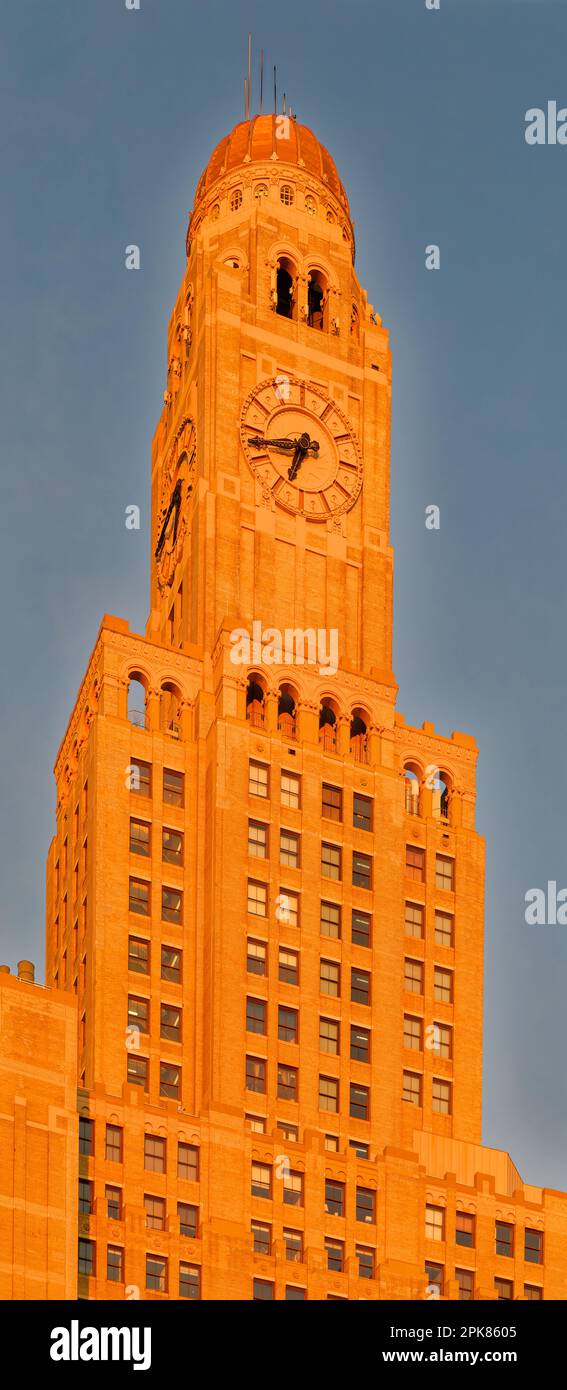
(257, 140)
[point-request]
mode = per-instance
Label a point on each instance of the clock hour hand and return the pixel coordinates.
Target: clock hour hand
(303, 445)
(289, 445)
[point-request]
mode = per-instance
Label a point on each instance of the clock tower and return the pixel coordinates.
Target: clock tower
(265, 890)
(271, 458)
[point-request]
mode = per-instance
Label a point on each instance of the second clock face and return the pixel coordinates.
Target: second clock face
(301, 448)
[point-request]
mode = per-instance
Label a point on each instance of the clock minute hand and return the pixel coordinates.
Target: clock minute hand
(289, 445)
(303, 444)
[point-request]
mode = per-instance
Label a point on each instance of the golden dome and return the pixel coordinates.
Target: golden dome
(256, 141)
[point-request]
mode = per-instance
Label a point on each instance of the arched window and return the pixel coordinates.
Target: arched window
(441, 798)
(260, 191)
(412, 780)
(235, 199)
(358, 738)
(316, 293)
(328, 729)
(233, 262)
(310, 205)
(286, 712)
(137, 700)
(215, 212)
(255, 697)
(286, 195)
(169, 710)
(284, 285)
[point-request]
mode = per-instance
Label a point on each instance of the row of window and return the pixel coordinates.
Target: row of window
(170, 1018)
(154, 1207)
(293, 1193)
(157, 1270)
(465, 1234)
(138, 1074)
(503, 1288)
(140, 781)
(330, 972)
(171, 842)
(330, 919)
(290, 795)
(293, 1245)
(290, 854)
(139, 890)
(171, 959)
(155, 1150)
(329, 1086)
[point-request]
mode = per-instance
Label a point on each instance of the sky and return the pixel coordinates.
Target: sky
(107, 117)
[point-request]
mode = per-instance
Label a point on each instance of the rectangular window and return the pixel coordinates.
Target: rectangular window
(188, 1162)
(256, 1123)
(465, 1281)
(533, 1292)
(293, 1189)
(256, 1074)
(331, 861)
(359, 1102)
(156, 1273)
(444, 872)
(413, 976)
(365, 1259)
(189, 1281)
(256, 957)
(257, 839)
(85, 1197)
(288, 1024)
(137, 1071)
(411, 1091)
(443, 1040)
(444, 928)
(169, 1081)
(465, 1229)
(294, 1294)
(366, 1205)
(332, 803)
(139, 897)
(331, 920)
(533, 1247)
(86, 1137)
(328, 1093)
(188, 1220)
(155, 1150)
(87, 1257)
(288, 966)
(329, 1035)
(362, 811)
(257, 899)
(171, 905)
(258, 779)
(262, 1238)
(435, 1276)
(138, 955)
(140, 778)
(335, 1251)
(434, 1223)
(256, 1015)
(173, 787)
(361, 1150)
(359, 1043)
(139, 1014)
(441, 1093)
(293, 1245)
(414, 919)
(290, 1132)
(334, 1197)
(154, 1208)
(361, 928)
(504, 1290)
(413, 1033)
(415, 863)
(261, 1180)
(171, 964)
(113, 1199)
(287, 909)
(290, 789)
(172, 846)
(170, 1022)
(330, 978)
(332, 1143)
(113, 1146)
(262, 1291)
(289, 848)
(443, 984)
(360, 986)
(361, 869)
(287, 1083)
(140, 838)
(504, 1238)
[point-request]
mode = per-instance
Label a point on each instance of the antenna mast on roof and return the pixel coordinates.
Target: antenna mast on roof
(261, 77)
(275, 94)
(249, 72)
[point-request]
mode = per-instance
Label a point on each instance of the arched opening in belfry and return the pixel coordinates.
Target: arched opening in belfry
(316, 293)
(284, 286)
(255, 697)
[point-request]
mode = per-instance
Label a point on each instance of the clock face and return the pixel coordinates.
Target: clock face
(301, 448)
(175, 491)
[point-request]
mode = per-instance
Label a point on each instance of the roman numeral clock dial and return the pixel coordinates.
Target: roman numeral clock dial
(301, 448)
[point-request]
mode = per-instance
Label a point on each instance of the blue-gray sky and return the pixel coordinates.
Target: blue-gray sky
(107, 118)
